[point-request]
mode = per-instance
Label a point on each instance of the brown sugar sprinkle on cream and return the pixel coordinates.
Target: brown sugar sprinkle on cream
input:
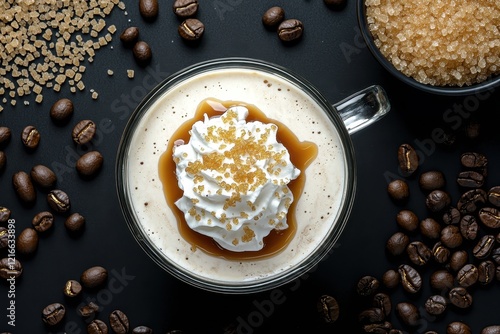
(45, 43)
(438, 42)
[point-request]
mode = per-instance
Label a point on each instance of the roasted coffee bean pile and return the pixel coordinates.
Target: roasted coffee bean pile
(459, 241)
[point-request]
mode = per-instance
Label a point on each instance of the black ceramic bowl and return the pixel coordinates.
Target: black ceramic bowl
(489, 84)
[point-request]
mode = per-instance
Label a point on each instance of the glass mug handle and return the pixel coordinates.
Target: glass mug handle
(363, 108)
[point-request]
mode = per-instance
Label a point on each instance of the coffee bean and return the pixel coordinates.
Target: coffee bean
(72, 288)
(83, 131)
(24, 187)
(273, 16)
(460, 297)
(484, 246)
(58, 200)
(398, 190)
(418, 252)
(458, 259)
(89, 163)
(470, 179)
(62, 110)
(3, 160)
(4, 214)
(486, 272)
(119, 322)
(380, 327)
(5, 134)
(435, 305)
(451, 236)
(494, 329)
(27, 241)
(431, 180)
(149, 9)
(94, 277)
(441, 280)
(328, 308)
(470, 200)
(53, 314)
(458, 327)
(74, 223)
(10, 268)
(191, 29)
(408, 313)
(469, 227)
(437, 200)
(129, 36)
(42, 221)
(407, 219)
(185, 8)
(451, 216)
(335, 4)
(397, 243)
(97, 327)
(383, 301)
(4, 237)
(142, 52)
(30, 137)
(371, 315)
(390, 279)
(490, 217)
(473, 160)
(440, 253)
(290, 30)
(142, 330)
(467, 275)
(367, 285)
(430, 228)
(88, 310)
(43, 176)
(495, 255)
(410, 278)
(493, 196)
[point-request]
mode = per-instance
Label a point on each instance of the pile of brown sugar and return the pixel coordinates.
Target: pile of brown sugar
(46, 44)
(438, 42)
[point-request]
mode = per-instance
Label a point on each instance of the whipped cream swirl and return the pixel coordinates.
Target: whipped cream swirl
(235, 177)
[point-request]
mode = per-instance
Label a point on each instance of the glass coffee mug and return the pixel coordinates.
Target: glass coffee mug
(321, 211)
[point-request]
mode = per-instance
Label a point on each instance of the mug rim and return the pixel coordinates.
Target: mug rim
(489, 84)
(210, 284)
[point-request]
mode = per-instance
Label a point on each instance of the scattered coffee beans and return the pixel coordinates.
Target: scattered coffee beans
(418, 253)
(495, 329)
(191, 29)
(460, 297)
(74, 223)
(432, 180)
(62, 110)
(486, 272)
(53, 314)
(441, 280)
(149, 9)
(30, 137)
(142, 53)
(367, 285)
(398, 190)
(390, 279)
(88, 310)
(185, 8)
(467, 275)
(469, 227)
(410, 278)
(371, 315)
(119, 322)
(83, 132)
(5, 134)
(89, 163)
(290, 30)
(437, 200)
(408, 159)
(471, 200)
(58, 200)
(490, 217)
(470, 179)
(273, 17)
(408, 313)
(42, 221)
(328, 308)
(24, 187)
(458, 259)
(435, 305)
(142, 330)
(494, 196)
(9, 268)
(451, 215)
(484, 246)
(94, 277)
(130, 36)
(458, 327)
(407, 219)
(4, 214)
(396, 244)
(451, 236)
(430, 228)
(43, 176)
(27, 241)
(382, 301)
(97, 327)
(72, 288)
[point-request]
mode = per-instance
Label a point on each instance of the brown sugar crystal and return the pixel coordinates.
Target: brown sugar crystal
(440, 43)
(43, 44)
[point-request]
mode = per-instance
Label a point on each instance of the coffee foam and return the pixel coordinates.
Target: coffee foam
(316, 210)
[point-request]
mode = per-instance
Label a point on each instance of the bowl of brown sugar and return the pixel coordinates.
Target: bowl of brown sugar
(444, 47)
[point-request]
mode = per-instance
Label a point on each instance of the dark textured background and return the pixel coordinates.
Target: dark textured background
(333, 57)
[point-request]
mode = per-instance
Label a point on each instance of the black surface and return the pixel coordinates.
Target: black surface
(333, 57)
